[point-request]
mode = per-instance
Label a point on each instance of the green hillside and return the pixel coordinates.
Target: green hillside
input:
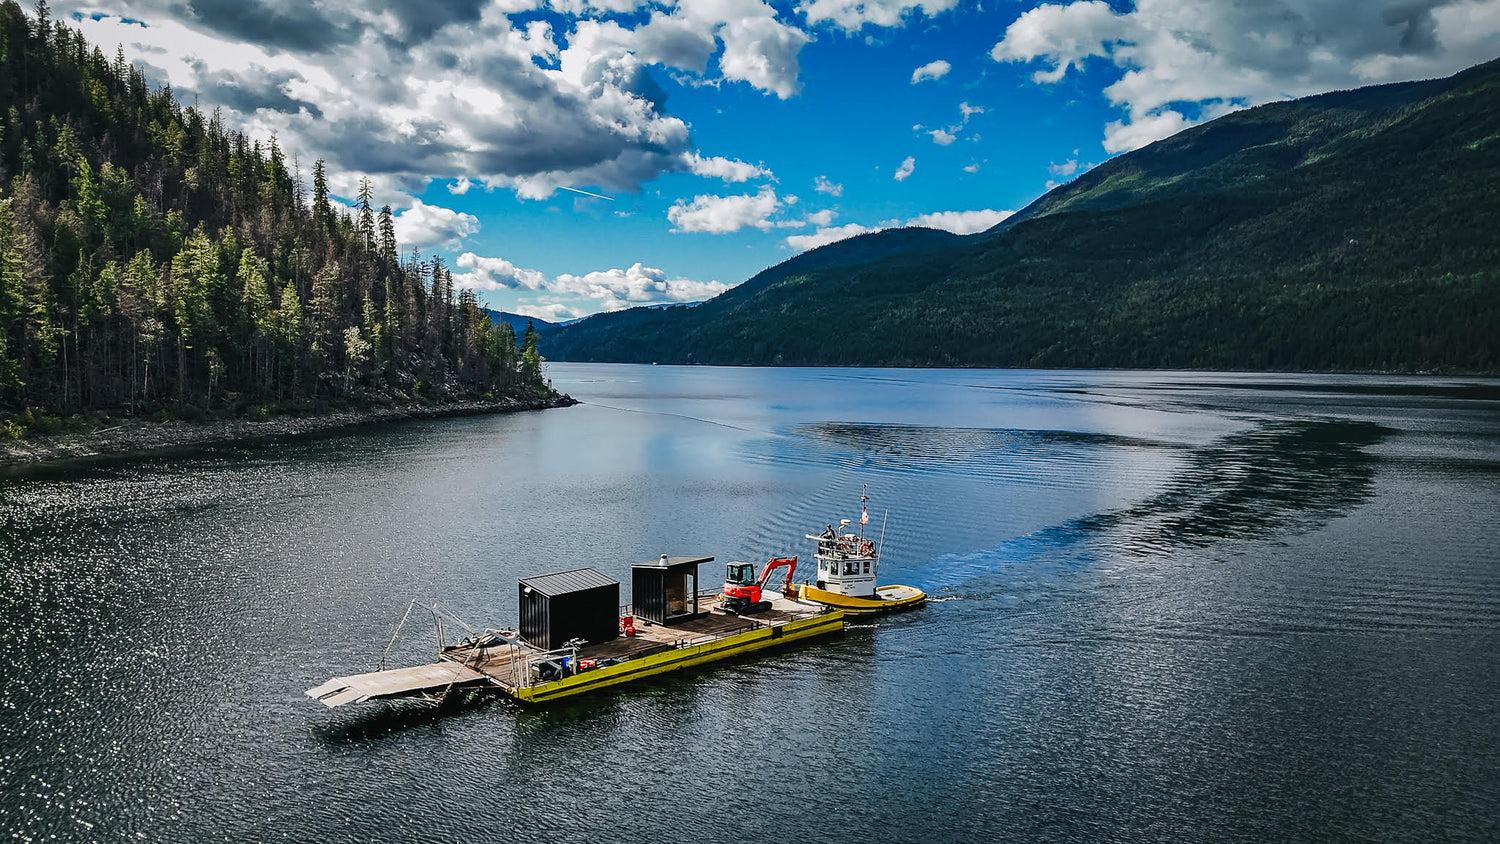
(1357, 230)
(152, 260)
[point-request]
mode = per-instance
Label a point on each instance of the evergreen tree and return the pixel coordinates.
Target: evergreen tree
(531, 359)
(366, 222)
(322, 214)
(388, 249)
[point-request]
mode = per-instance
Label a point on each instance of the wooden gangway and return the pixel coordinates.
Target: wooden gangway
(416, 680)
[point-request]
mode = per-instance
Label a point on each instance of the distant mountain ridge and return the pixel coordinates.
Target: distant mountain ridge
(852, 251)
(1240, 149)
(1354, 230)
(518, 323)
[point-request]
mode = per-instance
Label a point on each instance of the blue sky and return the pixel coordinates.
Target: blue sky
(724, 136)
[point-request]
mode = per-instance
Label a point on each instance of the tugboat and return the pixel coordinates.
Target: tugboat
(848, 567)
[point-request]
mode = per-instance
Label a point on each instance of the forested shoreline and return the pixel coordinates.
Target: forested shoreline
(155, 262)
(139, 435)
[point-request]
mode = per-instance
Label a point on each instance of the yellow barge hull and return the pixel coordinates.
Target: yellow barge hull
(893, 598)
(679, 658)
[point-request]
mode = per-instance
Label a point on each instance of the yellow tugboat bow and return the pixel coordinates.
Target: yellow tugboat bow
(893, 598)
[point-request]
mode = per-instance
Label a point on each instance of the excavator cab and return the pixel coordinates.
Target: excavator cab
(739, 574)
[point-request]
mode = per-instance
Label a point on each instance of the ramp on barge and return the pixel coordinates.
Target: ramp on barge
(398, 682)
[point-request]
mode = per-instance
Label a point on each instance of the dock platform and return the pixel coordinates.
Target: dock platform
(532, 675)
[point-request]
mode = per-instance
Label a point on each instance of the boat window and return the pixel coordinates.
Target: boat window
(867, 566)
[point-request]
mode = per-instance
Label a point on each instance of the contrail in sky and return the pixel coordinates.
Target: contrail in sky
(586, 193)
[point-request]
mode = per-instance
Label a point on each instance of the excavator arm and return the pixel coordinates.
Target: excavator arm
(741, 596)
(774, 564)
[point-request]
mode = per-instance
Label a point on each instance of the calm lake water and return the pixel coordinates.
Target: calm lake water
(1166, 606)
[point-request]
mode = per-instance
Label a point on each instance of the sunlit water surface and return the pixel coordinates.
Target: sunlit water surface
(1166, 606)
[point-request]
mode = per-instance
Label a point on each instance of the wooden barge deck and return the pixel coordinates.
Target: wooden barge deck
(533, 675)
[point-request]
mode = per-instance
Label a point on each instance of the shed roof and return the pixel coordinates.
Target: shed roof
(672, 562)
(567, 582)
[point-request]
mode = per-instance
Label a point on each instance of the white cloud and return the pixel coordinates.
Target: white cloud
(609, 290)
(852, 15)
(551, 311)
(617, 289)
(758, 48)
(495, 274)
(822, 185)
(906, 168)
(1064, 34)
(816, 218)
(932, 70)
(943, 136)
(460, 187)
(675, 41)
(728, 169)
(425, 226)
(453, 91)
(1183, 63)
(723, 214)
(1142, 129)
(820, 218)
(958, 222)
(578, 7)
(971, 168)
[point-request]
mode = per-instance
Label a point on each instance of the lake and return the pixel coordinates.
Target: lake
(1164, 606)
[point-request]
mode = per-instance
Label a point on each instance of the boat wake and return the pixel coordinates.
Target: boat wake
(1281, 477)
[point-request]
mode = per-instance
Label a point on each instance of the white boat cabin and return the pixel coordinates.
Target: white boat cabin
(847, 562)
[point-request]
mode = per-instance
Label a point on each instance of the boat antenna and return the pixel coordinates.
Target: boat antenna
(864, 515)
(881, 547)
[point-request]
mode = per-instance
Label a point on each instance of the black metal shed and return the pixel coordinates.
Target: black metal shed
(579, 604)
(666, 590)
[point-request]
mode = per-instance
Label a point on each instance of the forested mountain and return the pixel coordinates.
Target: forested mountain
(518, 323)
(1357, 230)
(152, 259)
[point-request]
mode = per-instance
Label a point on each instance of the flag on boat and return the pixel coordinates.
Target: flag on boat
(864, 516)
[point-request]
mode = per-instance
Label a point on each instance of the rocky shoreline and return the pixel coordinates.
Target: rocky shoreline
(140, 435)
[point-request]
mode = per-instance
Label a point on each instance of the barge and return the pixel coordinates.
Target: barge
(575, 637)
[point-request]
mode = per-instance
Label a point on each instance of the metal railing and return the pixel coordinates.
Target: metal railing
(524, 662)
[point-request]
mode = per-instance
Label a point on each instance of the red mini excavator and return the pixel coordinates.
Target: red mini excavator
(742, 592)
